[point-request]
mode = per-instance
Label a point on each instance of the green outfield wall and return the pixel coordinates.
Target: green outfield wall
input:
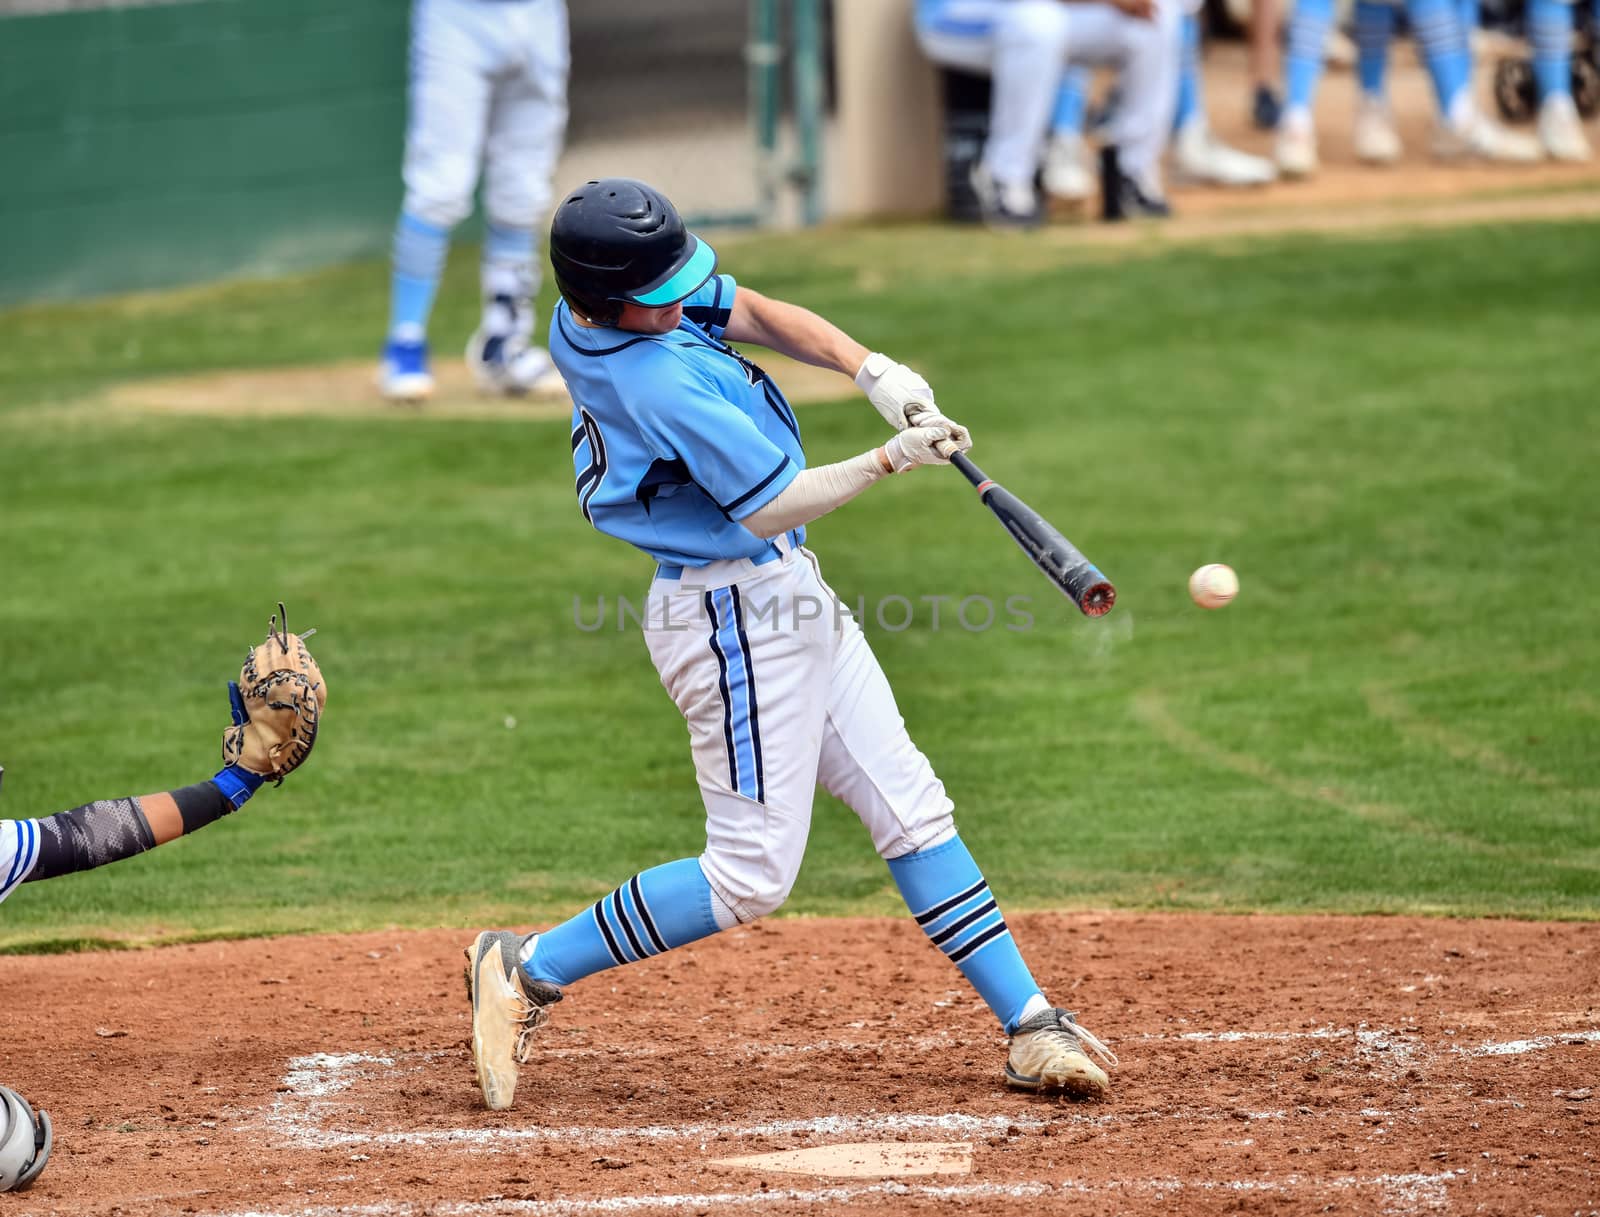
(148, 145)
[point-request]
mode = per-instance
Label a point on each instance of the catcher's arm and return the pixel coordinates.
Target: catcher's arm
(274, 715)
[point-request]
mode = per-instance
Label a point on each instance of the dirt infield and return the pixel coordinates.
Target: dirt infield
(1285, 1065)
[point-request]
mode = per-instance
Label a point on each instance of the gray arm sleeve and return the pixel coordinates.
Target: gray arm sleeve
(814, 493)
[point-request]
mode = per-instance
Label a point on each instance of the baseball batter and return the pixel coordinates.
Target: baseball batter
(689, 452)
(488, 92)
(1025, 46)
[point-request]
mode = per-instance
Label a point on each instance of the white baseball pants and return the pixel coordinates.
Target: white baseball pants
(1024, 45)
(781, 693)
(489, 89)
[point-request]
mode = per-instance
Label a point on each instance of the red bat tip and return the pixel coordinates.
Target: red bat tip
(1097, 601)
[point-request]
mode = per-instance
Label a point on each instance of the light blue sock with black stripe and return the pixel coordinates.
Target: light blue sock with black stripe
(417, 261)
(1436, 25)
(656, 910)
(1308, 36)
(1374, 32)
(1072, 102)
(947, 894)
(1550, 35)
(1191, 97)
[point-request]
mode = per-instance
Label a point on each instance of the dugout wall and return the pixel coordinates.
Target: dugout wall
(146, 143)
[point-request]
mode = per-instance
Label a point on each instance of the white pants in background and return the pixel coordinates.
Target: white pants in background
(1024, 46)
(781, 693)
(489, 91)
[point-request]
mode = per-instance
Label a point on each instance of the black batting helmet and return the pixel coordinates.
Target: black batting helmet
(617, 241)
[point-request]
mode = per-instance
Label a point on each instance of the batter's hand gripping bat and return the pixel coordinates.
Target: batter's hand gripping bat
(1051, 552)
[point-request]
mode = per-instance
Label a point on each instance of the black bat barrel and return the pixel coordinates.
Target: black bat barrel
(1052, 553)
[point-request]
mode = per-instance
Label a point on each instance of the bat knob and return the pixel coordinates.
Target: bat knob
(1097, 601)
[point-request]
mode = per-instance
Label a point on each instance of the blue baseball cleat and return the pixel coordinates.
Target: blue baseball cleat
(404, 374)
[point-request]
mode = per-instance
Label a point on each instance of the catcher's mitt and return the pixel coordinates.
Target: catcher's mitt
(277, 702)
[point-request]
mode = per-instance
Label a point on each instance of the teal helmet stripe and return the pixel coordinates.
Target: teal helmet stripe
(683, 282)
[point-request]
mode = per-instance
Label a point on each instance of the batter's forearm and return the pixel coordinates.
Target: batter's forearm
(793, 331)
(109, 830)
(816, 492)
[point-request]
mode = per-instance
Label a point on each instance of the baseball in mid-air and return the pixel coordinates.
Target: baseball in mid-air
(1213, 586)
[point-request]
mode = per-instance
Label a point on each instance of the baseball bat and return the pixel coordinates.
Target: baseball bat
(1060, 560)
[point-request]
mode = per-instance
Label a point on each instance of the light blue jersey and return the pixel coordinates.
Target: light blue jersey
(676, 437)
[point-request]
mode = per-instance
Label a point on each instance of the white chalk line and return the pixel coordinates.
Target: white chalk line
(1368, 1039)
(299, 1116)
(1402, 1193)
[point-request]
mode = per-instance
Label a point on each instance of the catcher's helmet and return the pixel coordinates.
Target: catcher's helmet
(25, 1140)
(617, 241)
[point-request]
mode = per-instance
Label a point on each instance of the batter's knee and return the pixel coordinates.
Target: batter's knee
(750, 887)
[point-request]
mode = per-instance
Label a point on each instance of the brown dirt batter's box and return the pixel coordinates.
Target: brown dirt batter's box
(1269, 1063)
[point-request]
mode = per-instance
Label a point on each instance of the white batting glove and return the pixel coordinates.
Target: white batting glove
(893, 388)
(924, 417)
(917, 446)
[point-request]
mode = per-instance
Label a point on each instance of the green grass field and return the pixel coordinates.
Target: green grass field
(1393, 440)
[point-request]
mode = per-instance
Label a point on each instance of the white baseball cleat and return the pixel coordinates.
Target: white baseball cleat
(1047, 1055)
(1295, 149)
(1376, 140)
(507, 1008)
(1561, 131)
(403, 375)
(1066, 172)
(509, 365)
(1199, 156)
(1481, 138)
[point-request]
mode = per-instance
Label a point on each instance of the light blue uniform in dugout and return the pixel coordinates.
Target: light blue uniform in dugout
(677, 437)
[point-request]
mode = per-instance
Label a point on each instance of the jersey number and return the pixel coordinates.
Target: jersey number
(592, 474)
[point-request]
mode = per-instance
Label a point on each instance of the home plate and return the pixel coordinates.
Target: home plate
(863, 1160)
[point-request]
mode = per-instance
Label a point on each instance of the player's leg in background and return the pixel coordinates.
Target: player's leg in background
(1145, 54)
(1467, 13)
(1375, 138)
(1029, 56)
(1068, 172)
(1550, 26)
(448, 104)
(1266, 63)
(1197, 154)
(1462, 130)
(869, 762)
(961, 35)
(1309, 26)
(527, 121)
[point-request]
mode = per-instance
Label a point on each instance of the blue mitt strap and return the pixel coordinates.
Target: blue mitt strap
(238, 784)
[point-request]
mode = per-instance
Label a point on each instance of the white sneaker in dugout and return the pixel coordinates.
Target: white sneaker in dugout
(1376, 140)
(1067, 174)
(507, 1008)
(510, 366)
(1481, 138)
(1005, 204)
(1561, 131)
(1296, 147)
(1047, 1055)
(1199, 156)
